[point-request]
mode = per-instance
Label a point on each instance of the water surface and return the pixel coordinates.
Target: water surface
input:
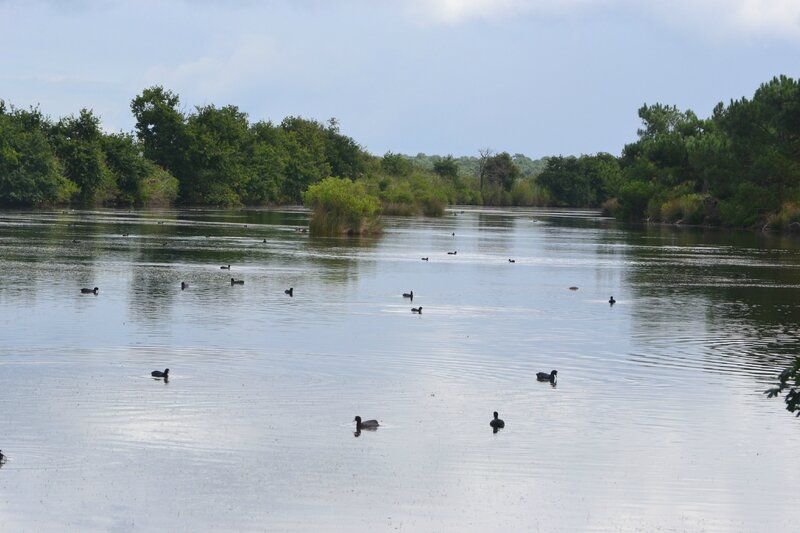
(657, 422)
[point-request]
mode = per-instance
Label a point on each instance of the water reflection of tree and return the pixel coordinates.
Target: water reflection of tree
(337, 259)
(741, 285)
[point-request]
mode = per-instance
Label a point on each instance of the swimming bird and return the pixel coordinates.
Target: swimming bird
(611, 301)
(89, 291)
(2, 457)
(544, 376)
(417, 310)
(237, 281)
(366, 424)
(512, 261)
(424, 258)
(184, 285)
(497, 423)
(225, 267)
(573, 288)
(289, 291)
(452, 253)
(160, 374)
(409, 295)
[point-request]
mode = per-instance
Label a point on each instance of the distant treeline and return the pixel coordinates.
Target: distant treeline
(741, 166)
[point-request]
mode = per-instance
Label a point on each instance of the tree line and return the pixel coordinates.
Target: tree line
(740, 166)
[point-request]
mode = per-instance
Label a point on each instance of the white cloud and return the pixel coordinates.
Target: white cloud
(254, 59)
(722, 18)
(753, 17)
(456, 11)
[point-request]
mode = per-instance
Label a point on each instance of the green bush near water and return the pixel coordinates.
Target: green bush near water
(340, 207)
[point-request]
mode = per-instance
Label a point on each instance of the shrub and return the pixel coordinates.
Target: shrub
(689, 209)
(789, 213)
(342, 206)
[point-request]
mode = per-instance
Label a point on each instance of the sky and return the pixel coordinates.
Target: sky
(536, 77)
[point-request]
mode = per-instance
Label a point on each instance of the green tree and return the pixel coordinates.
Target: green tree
(78, 146)
(396, 164)
(344, 155)
(307, 163)
(139, 181)
(447, 168)
(29, 171)
(500, 170)
(219, 139)
(162, 130)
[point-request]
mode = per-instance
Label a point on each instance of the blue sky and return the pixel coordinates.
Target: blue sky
(538, 77)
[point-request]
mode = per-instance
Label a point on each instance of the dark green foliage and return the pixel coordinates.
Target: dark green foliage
(29, 170)
(789, 383)
(500, 170)
(78, 145)
(161, 129)
(741, 166)
(446, 168)
(396, 164)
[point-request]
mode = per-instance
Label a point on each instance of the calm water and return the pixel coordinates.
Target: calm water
(657, 422)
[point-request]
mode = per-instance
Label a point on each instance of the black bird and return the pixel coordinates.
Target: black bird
(184, 285)
(417, 309)
(225, 267)
(497, 423)
(366, 424)
(452, 253)
(160, 374)
(89, 291)
(544, 376)
(289, 291)
(424, 258)
(611, 301)
(2, 457)
(409, 295)
(512, 261)
(237, 281)
(573, 288)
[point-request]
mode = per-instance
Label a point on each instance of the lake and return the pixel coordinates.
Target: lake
(657, 421)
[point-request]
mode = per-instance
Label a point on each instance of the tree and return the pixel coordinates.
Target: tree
(500, 170)
(29, 171)
(789, 383)
(139, 181)
(307, 163)
(485, 154)
(161, 129)
(447, 168)
(396, 164)
(218, 141)
(344, 155)
(78, 146)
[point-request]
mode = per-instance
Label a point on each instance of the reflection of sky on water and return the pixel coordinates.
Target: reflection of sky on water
(657, 419)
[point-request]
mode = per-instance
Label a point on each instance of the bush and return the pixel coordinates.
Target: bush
(342, 207)
(789, 213)
(610, 207)
(688, 209)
